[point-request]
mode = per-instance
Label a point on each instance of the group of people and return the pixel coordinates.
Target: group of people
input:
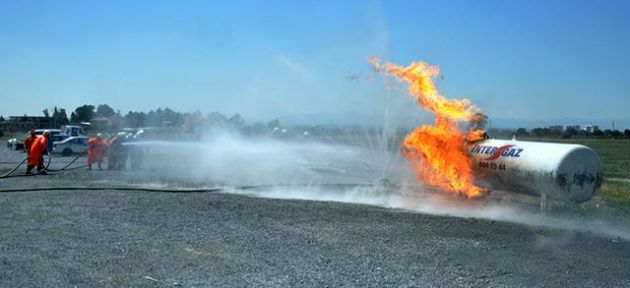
(117, 153)
(99, 149)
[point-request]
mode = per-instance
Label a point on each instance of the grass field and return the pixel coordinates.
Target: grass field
(615, 155)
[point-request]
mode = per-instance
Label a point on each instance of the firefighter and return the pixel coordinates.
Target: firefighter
(124, 151)
(135, 151)
(96, 146)
(29, 141)
(116, 153)
(36, 153)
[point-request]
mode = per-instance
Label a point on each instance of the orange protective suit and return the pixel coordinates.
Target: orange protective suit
(28, 142)
(36, 152)
(95, 150)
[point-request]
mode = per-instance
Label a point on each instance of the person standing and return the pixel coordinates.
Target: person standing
(116, 153)
(96, 146)
(135, 151)
(28, 142)
(36, 153)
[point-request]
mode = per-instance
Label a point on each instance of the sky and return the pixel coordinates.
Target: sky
(527, 60)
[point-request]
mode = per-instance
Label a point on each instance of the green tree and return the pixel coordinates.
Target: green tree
(83, 113)
(236, 120)
(217, 119)
(521, 132)
(607, 132)
(540, 132)
(172, 117)
(273, 123)
(104, 110)
(193, 121)
(135, 119)
(62, 118)
(571, 131)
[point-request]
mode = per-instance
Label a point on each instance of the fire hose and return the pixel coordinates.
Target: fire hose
(46, 168)
(69, 164)
(168, 190)
(6, 175)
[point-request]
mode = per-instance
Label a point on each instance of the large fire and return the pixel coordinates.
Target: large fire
(438, 153)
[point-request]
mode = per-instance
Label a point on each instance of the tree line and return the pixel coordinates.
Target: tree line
(105, 118)
(569, 133)
(104, 115)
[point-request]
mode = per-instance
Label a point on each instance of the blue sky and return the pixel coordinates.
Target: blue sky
(263, 59)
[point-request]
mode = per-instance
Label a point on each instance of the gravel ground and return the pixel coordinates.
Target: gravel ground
(116, 238)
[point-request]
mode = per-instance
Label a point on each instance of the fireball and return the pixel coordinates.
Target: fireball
(438, 153)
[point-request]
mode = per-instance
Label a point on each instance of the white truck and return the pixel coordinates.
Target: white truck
(73, 131)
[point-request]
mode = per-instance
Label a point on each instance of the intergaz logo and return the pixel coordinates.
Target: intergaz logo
(496, 152)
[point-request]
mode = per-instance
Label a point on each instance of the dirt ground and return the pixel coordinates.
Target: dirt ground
(115, 238)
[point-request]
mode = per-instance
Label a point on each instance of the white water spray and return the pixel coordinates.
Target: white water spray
(348, 173)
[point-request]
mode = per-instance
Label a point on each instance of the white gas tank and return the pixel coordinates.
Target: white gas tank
(566, 172)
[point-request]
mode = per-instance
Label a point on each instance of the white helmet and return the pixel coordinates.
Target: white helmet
(99, 135)
(138, 134)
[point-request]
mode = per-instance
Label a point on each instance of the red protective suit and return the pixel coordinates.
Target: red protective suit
(95, 150)
(36, 152)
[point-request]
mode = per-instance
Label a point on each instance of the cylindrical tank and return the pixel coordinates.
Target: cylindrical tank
(566, 172)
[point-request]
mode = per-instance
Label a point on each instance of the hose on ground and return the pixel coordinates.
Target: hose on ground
(46, 168)
(6, 175)
(112, 189)
(69, 164)
(9, 174)
(157, 190)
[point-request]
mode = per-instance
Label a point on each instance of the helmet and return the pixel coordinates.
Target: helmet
(138, 134)
(99, 135)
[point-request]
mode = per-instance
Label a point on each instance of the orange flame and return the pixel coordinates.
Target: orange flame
(438, 154)
(475, 135)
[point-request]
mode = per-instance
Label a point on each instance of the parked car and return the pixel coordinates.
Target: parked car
(17, 143)
(14, 144)
(71, 145)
